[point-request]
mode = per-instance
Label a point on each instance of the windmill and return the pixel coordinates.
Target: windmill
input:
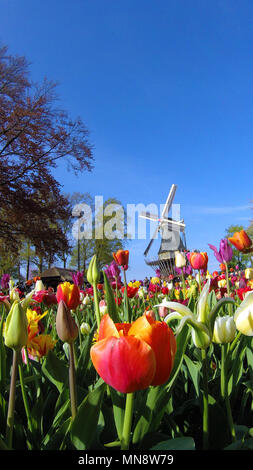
(171, 240)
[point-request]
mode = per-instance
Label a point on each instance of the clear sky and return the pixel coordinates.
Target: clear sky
(165, 88)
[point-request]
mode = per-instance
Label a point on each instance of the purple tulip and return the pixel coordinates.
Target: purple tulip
(78, 278)
(5, 281)
(186, 270)
(225, 254)
(112, 271)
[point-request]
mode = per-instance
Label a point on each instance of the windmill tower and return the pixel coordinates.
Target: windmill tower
(171, 238)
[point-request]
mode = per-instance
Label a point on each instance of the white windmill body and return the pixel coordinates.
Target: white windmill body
(171, 238)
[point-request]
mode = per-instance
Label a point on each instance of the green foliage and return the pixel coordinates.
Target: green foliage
(166, 417)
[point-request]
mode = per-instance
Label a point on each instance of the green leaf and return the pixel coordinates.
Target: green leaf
(2, 356)
(179, 443)
(55, 438)
(55, 370)
(110, 300)
(118, 402)
(194, 370)
(84, 425)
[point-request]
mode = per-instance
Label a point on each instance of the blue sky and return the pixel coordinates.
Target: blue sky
(165, 88)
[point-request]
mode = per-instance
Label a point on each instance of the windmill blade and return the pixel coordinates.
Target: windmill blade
(147, 215)
(174, 224)
(169, 201)
(151, 241)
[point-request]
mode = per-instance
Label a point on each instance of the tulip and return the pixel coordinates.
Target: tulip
(93, 274)
(69, 293)
(85, 328)
(198, 260)
(133, 356)
(180, 260)
(225, 253)
(241, 241)
(67, 331)
(40, 345)
(15, 336)
(39, 285)
(201, 335)
(122, 258)
(102, 307)
(243, 315)
(5, 281)
(222, 267)
(224, 330)
(66, 327)
(78, 278)
(16, 331)
(248, 273)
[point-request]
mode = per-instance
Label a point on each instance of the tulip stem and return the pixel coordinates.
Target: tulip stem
(200, 287)
(183, 282)
(228, 288)
(24, 395)
(72, 380)
(96, 302)
(126, 305)
(12, 396)
(205, 399)
(224, 390)
(125, 439)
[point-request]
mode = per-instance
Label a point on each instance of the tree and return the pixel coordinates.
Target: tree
(109, 217)
(35, 136)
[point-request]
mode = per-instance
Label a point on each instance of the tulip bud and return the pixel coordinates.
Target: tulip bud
(201, 337)
(85, 328)
(224, 330)
(103, 307)
(66, 327)
(93, 274)
(243, 316)
(39, 285)
(180, 260)
(248, 273)
(16, 327)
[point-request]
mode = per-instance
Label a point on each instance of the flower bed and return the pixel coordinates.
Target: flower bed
(139, 365)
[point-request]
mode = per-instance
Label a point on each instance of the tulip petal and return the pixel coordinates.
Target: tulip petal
(127, 363)
(180, 308)
(107, 328)
(161, 339)
(202, 302)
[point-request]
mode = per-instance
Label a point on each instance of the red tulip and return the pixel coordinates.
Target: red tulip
(69, 293)
(130, 357)
(131, 291)
(198, 260)
(241, 241)
(122, 258)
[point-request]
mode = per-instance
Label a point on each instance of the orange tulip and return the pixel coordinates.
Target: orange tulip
(69, 293)
(241, 241)
(222, 267)
(133, 356)
(198, 260)
(122, 258)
